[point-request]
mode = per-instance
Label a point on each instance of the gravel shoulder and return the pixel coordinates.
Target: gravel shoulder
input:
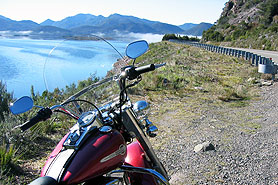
(245, 141)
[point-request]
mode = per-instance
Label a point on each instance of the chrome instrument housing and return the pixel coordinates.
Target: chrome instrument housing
(86, 118)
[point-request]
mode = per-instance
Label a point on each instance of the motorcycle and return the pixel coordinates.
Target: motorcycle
(109, 143)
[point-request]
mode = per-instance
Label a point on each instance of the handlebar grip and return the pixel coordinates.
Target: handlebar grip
(131, 72)
(31, 122)
(144, 69)
(42, 115)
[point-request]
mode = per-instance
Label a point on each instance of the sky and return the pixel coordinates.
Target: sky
(175, 12)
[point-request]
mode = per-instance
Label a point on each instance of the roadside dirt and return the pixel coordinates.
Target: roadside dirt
(245, 140)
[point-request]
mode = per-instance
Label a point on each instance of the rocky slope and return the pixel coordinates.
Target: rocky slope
(247, 23)
(238, 11)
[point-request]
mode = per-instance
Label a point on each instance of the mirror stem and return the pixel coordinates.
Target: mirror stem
(134, 61)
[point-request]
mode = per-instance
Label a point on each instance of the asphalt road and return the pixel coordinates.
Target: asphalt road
(264, 53)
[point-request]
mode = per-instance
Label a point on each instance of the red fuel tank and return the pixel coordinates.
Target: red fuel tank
(101, 153)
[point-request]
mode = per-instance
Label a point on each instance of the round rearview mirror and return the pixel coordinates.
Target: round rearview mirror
(21, 105)
(136, 49)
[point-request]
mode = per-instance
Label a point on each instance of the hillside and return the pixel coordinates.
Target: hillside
(247, 23)
(195, 29)
(11, 25)
(187, 26)
(75, 21)
(198, 29)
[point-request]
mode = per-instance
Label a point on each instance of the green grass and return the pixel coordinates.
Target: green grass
(7, 157)
(220, 77)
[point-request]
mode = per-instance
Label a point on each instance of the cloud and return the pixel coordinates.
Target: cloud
(149, 37)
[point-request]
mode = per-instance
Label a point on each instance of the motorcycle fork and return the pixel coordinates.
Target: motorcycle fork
(132, 125)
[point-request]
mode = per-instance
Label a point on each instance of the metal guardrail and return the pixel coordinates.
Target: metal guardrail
(265, 65)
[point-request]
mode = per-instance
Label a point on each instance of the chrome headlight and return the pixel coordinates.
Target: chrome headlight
(142, 108)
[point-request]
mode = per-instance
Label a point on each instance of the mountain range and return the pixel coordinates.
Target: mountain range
(195, 29)
(84, 24)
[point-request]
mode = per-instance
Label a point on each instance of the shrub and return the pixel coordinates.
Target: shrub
(269, 10)
(167, 37)
(5, 99)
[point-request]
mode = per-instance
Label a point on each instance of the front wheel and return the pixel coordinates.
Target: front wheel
(107, 180)
(46, 180)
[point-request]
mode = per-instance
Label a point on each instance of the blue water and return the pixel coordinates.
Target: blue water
(24, 62)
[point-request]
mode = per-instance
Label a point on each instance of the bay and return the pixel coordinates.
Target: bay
(26, 62)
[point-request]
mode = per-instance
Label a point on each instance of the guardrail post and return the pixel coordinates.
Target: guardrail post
(247, 55)
(260, 60)
(253, 58)
(230, 52)
(238, 53)
(257, 59)
(243, 54)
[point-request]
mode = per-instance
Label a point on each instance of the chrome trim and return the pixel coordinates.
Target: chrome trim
(140, 105)
(114, 182)
(76, 136)
(105, 129)
(56, 107)
(145, 171)
(152, 131)
(120, 151)
(86, 118)
(159, 65)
